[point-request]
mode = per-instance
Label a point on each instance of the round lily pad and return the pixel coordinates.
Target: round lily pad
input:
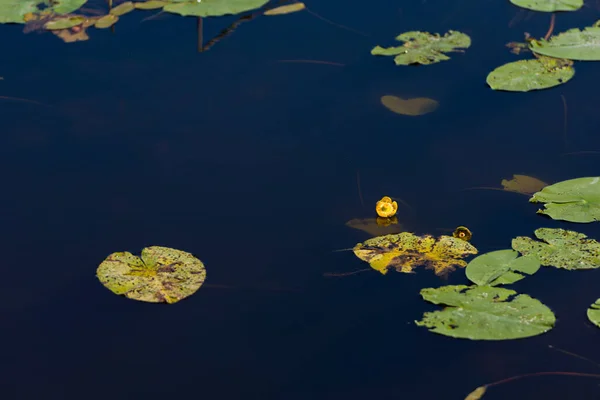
(14, 11)
(526, 75)
(573, 44)
(160, 275)
(549, 5)
(501, 267)
(485, 313)
(212, 8)
(574, 200)
(593, 313)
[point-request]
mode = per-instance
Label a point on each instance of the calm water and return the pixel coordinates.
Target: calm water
(251, 164)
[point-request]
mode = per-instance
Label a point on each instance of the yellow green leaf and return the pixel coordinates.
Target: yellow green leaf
(477, 393)
(106, 22)
(122, 8)
(287, 9)
(150, 5)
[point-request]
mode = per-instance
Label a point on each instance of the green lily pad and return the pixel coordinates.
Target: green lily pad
(593, 313)
(572, 44)
(573, 200)
(560, 248)
(501, 267)
(212, 8)
(160, 275)
(64, 23)
(14, 11)
(122, 9)
(424, 48)
(549, 5)
(150, 4)
(485, 313)
(526, 75)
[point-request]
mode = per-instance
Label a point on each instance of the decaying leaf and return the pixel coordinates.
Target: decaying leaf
(406, 251)
(160, 275)
(376, 226)
(485, 313)
(523, 184)
(560, 248)
(412, 107)
(287, 9)
(69, 36)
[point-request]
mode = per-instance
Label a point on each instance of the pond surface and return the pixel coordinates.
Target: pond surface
(254, 162)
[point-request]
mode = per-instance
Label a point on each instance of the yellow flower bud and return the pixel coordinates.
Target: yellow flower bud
(386, 207)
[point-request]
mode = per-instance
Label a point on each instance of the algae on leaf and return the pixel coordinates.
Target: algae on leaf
(593, 313)
(526, 75)
(572, 44)
(14, 11)
(406, 251)
(573, 200)
(560, 248)
(424, 48)
(501, 267)
(160, 275)
(549, 5)
(485, 313)
(211, 8)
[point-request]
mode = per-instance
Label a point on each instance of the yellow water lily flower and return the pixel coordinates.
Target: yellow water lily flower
(462, 232)
(386, 207)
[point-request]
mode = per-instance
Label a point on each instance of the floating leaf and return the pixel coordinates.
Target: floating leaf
(376, 226)
(160, 275)
(549, 5)
(424, 48)
(412, 107)
(150, 5)
(593, 313)
(122, 9)
(501, 267)
(574, 200)
(405, 251)
(572, 44)
(106, 21)
(523, 184)
(485, 313)
(477, 393)
(287, 9)
(212, 8)
(562, 249)
(14, 11)
(64, 23)
(526, 75)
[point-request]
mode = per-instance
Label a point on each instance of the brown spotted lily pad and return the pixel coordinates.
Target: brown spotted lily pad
(406, 251)
(160, 275)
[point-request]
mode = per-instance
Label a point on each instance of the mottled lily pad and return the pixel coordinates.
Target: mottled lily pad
(549, 5)
(593, 313)
(501, 267)
(424, 48)
(406, 251)
(526, 75)
(161, 275)
(212, 8)
(573, 200)
(572, 44)
(485, 313)
(560, 248)
(14, 11)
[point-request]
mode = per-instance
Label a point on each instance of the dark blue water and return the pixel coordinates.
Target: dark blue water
(251, 164)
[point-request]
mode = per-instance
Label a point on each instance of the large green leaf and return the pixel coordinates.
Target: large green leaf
(160, 275)
(423, 47)
(549, 5)
(574, 200)
(526, 75)
(485, 313)
(501, 267)
(212, 8)
(560, 248)
(572, 44)
(593, 313)
(13, 11)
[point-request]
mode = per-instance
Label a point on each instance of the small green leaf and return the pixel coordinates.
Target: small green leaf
(150, 5)
(574, 200)
(572, 44)
(64, 23)
(560, 248)
(526, 75)
(122, 9)
(593, 313)
(106, 21)
(501, 267)
(549, 5)
(212, 8)
(485, 313)
(14, 11)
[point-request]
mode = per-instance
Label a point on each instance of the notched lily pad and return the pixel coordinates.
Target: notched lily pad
(485, 313)
(535, 74)
(560, 248)
(572, 44)
(574, 200)
(501, 267)
(161, 275)
(406, 251)
(593, 313)
(424, 48)
(549, 5)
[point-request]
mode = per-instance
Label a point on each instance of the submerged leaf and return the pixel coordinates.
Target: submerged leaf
(160, 275)
(572, 44)
(376, 226)
(424, 48)
(212, 8)
(501, 267)
(593, 313)
(574, 200)
(405, 251)
(412, 107)
(526, 75)
(485, 313)
(562, 249)
(523, 184)
(287, 9)
(549, 5)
